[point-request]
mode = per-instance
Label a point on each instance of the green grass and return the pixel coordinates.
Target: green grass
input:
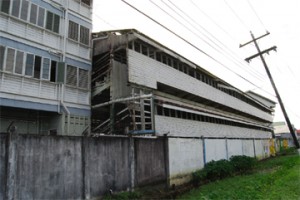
(276, 178)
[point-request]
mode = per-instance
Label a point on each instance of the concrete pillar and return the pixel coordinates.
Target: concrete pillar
(204, 150)
(254, 148)
(166, 157)
(131, 163)
(86, 194)
(11, 165)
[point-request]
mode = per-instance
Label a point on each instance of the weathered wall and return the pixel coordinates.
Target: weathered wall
(150, 161)
(107, 165)
(234, 147)
(189, 128)
(48, 167)
(185, 157)
(64, 167)
(2, 165)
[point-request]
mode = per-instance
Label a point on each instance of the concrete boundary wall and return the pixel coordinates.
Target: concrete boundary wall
(65, 167)
(186, 155)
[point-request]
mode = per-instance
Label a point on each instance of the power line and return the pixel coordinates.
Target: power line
(233, 57)
(180, 37)
(105, 21)
(252, 8)
(236, 15)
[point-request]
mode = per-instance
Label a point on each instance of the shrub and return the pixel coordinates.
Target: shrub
(218, 169)
(242, 164)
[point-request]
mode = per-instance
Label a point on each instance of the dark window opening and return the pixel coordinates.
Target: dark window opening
(53, 71)
(37, 67)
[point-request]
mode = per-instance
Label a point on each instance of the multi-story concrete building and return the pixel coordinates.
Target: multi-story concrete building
(159, 87)
(45, 64)
(140, 86)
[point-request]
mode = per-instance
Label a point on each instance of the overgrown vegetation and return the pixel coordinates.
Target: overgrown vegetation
(216, 170)
(275, 178)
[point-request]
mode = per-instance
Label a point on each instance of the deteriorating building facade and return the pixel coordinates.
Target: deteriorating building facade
(45, 64)
(140, 86)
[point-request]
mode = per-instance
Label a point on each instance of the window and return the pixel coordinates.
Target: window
(87, 2)
(5, 6)
(46, 68)
(53, 71)
(16, 8)
(29, 65)
(2, 51)
(41, 17)
(73, 30)
(71, 78)
(84, 35)
(83, 78)
(52, 22)
(37, 66)
(33, 13)
(19, 62)
(10, 60)
(24, 9)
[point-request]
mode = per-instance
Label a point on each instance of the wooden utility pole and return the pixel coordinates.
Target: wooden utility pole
(260, 54)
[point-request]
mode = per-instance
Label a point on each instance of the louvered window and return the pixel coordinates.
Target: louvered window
(33, 13)
(19, 62)
(73, 30)
(24, 9)
(16, 8)
(71, 78)
(10, 59)
(46, 68)
(2, 51)
(83, 78)
(29, 65)
(41, 17)
(84, 35)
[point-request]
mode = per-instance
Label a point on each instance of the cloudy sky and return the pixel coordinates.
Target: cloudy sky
(218, 27)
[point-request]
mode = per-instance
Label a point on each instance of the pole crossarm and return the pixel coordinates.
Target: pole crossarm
(263, 52)
(260, 54)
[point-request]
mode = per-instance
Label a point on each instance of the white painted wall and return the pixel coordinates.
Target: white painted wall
(235, 147)
(248, 148)
(185, 156)
(141, 67)
(190, 128)
(215, 149)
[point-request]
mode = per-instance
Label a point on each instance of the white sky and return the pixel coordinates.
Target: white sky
(218, 27)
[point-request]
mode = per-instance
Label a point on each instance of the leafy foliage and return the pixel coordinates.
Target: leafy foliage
(242, 164)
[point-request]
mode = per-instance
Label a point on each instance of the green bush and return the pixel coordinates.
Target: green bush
(242, 164)
(218, 169)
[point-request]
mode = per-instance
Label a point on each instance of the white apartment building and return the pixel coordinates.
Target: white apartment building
(45, 64)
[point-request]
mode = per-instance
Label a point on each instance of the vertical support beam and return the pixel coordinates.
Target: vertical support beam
(131, 163)
(112, 118)
(204, 150)
(166, 156)
(254, 150)
(86, 193)
(11, 165)
(153, 111)
(142, 112)
(226, 146)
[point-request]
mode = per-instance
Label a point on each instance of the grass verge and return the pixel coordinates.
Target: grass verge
(276, 178)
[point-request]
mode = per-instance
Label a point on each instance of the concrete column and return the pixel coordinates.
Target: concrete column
(254, 148)
(166, 157)
(86, 194)
(204, 150)
(226, 147)
(131, 163)
(11, 164)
